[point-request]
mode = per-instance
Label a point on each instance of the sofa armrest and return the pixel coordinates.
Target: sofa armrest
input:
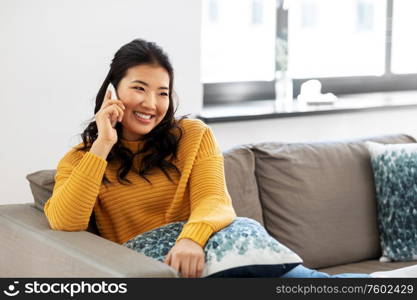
(31, 249)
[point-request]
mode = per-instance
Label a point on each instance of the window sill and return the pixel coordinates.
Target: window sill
(265, 109)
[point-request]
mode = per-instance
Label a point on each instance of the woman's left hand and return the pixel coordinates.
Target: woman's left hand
(187, 257)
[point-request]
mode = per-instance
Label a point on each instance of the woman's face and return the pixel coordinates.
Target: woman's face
(144, 92)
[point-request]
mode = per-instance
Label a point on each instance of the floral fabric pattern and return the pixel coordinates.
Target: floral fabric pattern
(243, 243)
(395, 176)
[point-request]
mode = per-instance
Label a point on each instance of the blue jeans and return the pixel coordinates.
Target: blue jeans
(302, 272)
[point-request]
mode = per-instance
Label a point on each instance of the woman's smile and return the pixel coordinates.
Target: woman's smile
(143, 118)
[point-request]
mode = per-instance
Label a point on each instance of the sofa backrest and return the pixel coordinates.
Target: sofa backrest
(239, 170)
(318, 199)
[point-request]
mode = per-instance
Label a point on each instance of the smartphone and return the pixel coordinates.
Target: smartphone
(113, 97)
(113, 91)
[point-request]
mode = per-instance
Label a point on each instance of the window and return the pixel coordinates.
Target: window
(351, 46)
(330, 38)
(404, 43)
(238, 40)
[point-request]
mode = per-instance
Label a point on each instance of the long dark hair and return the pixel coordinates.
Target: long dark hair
(159, 143)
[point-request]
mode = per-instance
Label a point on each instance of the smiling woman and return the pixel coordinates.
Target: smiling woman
(139, 167)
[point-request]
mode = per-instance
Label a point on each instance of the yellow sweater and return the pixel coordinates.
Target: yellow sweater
(199, 195)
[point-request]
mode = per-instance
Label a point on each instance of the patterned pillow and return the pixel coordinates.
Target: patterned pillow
(242, 249)
(395, 175)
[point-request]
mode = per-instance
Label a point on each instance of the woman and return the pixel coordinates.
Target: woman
(135, 152)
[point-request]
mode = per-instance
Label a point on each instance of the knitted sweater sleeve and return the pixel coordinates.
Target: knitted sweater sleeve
(77, 182)
(211, 205)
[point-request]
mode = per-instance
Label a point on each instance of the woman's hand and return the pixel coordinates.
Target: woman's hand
(187, 257)
(111, 112)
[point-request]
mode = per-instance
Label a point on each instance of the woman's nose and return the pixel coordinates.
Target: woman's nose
(149, 101)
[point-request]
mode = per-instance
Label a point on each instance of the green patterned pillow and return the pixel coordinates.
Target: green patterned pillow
(395, 175)
(242, 249)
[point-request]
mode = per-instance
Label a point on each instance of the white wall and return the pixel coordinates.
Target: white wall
(54, 55)
(317, 128)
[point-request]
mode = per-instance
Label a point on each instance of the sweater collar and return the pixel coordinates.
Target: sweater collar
(133, 146)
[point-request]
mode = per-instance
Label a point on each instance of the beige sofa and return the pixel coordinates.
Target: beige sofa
(316, 198)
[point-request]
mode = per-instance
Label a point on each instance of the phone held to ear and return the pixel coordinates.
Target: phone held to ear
(113, 97)
(113, 91)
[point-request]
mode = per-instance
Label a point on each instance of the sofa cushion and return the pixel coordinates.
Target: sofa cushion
(395, 176)
(41, 184)
(239, 169)
(406, 272)
(318, 198)
(367, 267)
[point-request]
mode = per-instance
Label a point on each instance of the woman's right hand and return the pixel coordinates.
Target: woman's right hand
(111, 112)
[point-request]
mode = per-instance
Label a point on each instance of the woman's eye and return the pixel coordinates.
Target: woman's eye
(139, 88)
(164, 94)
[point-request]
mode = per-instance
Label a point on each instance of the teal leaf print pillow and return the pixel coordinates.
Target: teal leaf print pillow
(395, 176)
(242, 249)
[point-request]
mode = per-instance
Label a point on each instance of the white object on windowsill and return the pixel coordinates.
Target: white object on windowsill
(310, 93)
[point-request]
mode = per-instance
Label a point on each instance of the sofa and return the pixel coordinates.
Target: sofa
(318, 199)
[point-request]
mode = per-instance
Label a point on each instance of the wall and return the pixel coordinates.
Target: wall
(317, 128)
(54, 55)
